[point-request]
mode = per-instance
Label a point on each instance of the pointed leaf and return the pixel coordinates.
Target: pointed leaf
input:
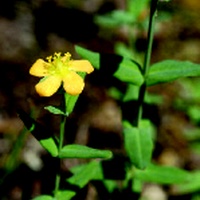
(44, 197)
(191, 186)
(170, 70)
(65, 195)
(54, 110)
(80, 151)
(93, 57)
(85, 174)
(124, 69)
(138, 143)
(41, 133)
(94, 167)
(162, 174)
(129, 72)
(70, 100)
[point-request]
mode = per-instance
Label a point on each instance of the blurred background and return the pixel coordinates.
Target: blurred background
(32, 29)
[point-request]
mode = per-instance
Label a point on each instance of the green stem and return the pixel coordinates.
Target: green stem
(60, 145)
(146, 60)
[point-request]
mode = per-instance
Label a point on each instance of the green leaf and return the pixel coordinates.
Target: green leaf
(129, 72)
(70, 100)
(50, 145)
(55, 110)
(44, 197)
(138, 143)
(136, 7)
(93, 57)
(80, 151)
(132, 93)
(191, 186)
(65, 195)
(123, 69)
(115, 19)
(170, 70)
(96, 172)
(162, 174)
(41, 133)
(84, 173)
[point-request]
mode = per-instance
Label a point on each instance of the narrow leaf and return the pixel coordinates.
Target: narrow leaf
(41, 133)
(65, 195)
(70, 100)
(79, 151)
(93, 57)
(191, 186)
(44, 197)
(124, 69)
(170, 70)
(162, 174)
(86, 173)
(133, 146)
(96, 170)
(129, 72)
(138, 143)
(82, 175)
(54, 110)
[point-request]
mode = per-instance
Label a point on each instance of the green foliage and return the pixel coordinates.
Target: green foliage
(82, 175)
(79, 151)
(170, 70)
(41, 133)
(138, 143)
(70, 102)
(138, 137)
(192, 185)
(50, 145)
(128, 17)
(54, 110)
(93, 57)
(163, 175)
(44, 197)
(128, 71)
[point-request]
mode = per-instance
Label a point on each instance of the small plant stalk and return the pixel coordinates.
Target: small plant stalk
(146, 60)
(60, 145)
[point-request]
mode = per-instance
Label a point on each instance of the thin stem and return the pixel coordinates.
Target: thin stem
(60, 145)
(150, 37)
(146, 60)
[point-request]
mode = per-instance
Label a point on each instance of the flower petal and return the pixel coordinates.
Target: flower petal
(73, 83)
(81, 66)
(39, 68)
(48, 86)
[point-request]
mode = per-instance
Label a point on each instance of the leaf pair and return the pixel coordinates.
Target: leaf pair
(130, 71)
(50, 143)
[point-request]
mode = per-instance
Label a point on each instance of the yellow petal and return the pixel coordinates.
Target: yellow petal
(48, 86)
(73, 83)
(39, 68)
(81, 66)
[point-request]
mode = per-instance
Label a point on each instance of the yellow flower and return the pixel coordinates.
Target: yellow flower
(57, 70)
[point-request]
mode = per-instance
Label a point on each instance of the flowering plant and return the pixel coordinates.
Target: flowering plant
(135, 167)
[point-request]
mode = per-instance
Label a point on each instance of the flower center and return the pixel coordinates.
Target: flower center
(59, 64)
